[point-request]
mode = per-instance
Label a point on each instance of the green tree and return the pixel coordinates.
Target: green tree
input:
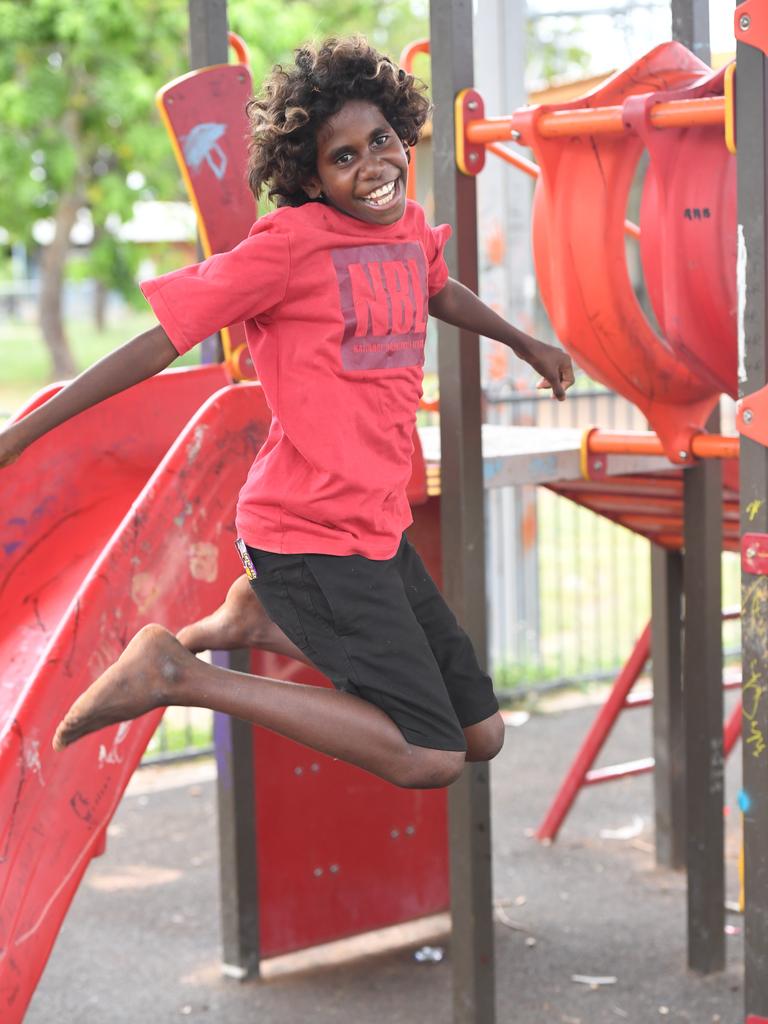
(78, 77)
(77, 81)
(553, 51)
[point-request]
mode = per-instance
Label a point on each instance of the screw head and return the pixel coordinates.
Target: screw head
(744, 22)
(682, 454)
(473, 158)
(751, 551)
(747, 414)
(472, 105)
(597, 464)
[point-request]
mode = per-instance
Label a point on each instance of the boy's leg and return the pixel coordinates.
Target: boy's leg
(155, 671)
(469, 688)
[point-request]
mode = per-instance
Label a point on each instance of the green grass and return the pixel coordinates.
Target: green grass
(27, 365)
(181, 729)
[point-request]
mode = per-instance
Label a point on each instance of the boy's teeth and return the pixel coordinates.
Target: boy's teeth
(381, 195)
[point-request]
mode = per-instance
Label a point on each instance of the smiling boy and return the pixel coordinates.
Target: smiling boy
(334, 289)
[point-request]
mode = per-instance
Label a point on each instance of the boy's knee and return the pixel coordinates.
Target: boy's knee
(430, 769)
(485, 740)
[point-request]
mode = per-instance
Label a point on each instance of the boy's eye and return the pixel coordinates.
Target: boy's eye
(381, 140)
(344, 158)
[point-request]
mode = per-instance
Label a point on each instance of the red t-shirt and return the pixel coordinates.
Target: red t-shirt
(335, 311)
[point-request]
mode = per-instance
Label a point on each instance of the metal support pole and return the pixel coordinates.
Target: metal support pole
(462, 520)
(703, 715)
(668, 737)
(752, 131)
(238, 864)
(208, 44)
(703, 652)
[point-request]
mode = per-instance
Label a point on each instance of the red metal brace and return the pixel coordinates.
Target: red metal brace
(470, 156)
(754, 553)
(750, 24)
(752, 416)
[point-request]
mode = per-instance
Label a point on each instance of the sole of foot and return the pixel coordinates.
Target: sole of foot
(141, 680)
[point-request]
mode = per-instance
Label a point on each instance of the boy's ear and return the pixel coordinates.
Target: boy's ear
(313, 188)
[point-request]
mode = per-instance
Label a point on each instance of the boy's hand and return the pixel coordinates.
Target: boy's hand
(555, 367)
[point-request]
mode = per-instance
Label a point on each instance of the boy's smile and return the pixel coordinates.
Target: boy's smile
(361, 164)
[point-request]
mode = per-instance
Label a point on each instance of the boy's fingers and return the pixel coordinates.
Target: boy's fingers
(543, 383)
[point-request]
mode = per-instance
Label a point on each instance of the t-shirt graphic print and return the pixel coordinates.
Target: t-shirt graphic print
(383, 291)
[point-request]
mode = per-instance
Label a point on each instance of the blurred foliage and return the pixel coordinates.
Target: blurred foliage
(553, 53)
(77, 85)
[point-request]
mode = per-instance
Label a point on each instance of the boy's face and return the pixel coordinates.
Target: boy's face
(361, 165)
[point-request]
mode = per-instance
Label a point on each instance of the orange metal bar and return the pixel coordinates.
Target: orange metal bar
(407, 58)
(703, 446)
(238, 44)
(601, 120)
(532, 170)
(526, 166)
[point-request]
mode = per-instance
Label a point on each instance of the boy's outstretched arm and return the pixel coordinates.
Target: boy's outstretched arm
(142, 357)
(455, 304)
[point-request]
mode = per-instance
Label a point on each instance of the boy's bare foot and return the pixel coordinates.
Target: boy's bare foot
(143, 678)
(240, 622)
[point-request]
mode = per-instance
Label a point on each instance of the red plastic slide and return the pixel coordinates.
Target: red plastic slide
(123, 516)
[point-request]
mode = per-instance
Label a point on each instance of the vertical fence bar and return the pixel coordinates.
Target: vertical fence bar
(752, 132)
(462, 520)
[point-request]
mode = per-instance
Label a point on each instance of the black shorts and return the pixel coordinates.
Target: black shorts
(382, 631)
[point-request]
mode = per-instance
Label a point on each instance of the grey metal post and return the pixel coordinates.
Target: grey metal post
(462, 520)
(703, 714)
(752, 141)
(238, 881)
(238, 864)
(703, 653)
(208, 44)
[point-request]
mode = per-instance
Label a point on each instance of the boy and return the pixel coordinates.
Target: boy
(334, 288)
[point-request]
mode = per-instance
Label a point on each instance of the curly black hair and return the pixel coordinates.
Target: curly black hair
(295, 101)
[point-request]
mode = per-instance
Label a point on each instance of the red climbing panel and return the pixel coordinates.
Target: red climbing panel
(688, 233)
(578, 232)
(204, 114)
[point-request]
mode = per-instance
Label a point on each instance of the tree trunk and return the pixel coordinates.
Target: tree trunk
(53, 262)
(100, 296)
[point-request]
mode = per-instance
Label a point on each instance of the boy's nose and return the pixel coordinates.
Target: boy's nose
(372, 167)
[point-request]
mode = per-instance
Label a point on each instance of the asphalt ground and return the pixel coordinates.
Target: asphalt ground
(141, 941)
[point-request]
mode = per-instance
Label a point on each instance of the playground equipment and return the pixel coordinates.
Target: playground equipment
(83, 617)
(686, 720)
